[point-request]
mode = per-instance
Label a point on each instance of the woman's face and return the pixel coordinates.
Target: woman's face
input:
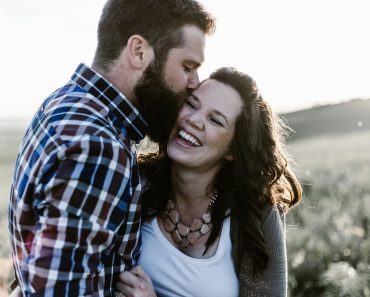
(205, 127)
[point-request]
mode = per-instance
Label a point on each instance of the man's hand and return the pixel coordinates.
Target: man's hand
(135, 283)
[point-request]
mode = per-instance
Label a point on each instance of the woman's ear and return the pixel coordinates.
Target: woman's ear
(229, 157)
(140, 53)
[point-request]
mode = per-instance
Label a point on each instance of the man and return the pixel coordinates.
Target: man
(74, 213)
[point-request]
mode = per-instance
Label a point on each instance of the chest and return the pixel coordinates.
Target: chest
(175, 273)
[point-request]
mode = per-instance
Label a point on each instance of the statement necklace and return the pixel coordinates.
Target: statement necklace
(185, 235)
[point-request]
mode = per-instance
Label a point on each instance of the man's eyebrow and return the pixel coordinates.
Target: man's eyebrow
(217, 112)
(196, 64)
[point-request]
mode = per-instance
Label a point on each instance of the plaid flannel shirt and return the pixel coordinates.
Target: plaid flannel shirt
(74, 212)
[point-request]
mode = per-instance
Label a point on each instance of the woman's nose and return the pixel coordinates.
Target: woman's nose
(196, 120)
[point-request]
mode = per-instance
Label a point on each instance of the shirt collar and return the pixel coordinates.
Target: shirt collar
(124, 112)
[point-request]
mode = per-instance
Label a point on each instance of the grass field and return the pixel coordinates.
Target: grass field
(328, 237)
(10, 137)
(328, 233)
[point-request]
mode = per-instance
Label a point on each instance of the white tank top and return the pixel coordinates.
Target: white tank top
(175, 274)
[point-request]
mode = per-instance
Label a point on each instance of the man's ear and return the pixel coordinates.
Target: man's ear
(140, 53)
(229, 157)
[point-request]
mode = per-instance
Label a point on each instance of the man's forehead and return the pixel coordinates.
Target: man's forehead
(193, 43)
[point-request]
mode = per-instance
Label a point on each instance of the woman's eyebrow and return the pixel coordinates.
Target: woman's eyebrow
(195, 97)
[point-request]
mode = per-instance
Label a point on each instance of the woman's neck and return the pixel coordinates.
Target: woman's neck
(191, 189)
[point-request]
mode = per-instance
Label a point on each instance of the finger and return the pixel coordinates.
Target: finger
(128, 278)
(119, 294)
(127, 290)
(139, 272)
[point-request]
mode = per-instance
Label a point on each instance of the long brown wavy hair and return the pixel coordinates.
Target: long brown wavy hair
(258, 174)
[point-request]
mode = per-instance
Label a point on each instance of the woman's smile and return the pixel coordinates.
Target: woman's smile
(185, 137)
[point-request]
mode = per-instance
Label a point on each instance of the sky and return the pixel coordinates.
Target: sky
(300, 52)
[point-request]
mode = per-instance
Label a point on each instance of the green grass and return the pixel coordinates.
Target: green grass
(328, 237)
(10, 138)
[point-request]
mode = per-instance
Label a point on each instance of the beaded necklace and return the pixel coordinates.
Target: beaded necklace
(182, 234)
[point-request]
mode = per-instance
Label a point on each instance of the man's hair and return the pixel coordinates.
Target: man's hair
(158, 21)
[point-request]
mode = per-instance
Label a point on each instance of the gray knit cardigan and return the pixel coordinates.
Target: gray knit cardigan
(272, 282)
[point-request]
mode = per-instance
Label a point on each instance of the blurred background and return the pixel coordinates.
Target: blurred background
(311, 62)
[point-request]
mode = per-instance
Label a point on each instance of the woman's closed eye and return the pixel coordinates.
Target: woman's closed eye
(190, 103)
(216, 122)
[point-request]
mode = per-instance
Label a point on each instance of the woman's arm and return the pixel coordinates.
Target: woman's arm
(273, 280)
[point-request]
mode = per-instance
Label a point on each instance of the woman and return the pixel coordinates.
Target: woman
(215, 199)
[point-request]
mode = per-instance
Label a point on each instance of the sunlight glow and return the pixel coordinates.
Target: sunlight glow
(301, 53)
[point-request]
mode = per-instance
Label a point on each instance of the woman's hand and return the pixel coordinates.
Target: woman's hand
(135, 283)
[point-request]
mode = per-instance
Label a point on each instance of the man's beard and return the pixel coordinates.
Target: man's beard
(158, 104)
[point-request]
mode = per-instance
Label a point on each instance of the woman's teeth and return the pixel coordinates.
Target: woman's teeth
(189, 138)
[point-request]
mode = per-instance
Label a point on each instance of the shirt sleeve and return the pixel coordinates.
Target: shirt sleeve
(80, 204)
(272, 282)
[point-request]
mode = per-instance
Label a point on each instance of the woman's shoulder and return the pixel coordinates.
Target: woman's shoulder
(271, 211)
(273, 218)
(274, 230)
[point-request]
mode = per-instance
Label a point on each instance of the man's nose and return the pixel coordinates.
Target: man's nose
(193, 81)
